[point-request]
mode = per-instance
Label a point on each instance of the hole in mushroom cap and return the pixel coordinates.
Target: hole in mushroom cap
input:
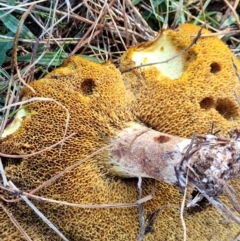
(88, 86)
(227, 109)
(215, 67)
(207, 103)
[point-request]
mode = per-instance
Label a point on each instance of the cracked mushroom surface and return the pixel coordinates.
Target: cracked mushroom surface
(193, 92)
(99, 107)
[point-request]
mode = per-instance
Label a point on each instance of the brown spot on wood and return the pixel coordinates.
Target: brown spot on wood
(161, 139)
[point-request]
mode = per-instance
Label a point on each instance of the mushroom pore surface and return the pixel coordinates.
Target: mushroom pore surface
(194, 92)
(101, 104)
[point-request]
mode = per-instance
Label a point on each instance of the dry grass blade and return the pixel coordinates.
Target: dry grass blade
(179, 9)
(235, 237)
(221, 33)
(182, 209)
(14, 55)
(3, 176)
(21, 5)
(221, 207)
(186, 156)
(44, 41)
(89, 206)
(141, 213)
(40, 214)
(15, 222)
(9, 100)
(107, 17)
(229, 192)
(233, 10)
(38, 152)
(236, 71)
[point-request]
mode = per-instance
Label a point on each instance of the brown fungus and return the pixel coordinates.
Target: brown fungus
(100, 113)
(188, 93)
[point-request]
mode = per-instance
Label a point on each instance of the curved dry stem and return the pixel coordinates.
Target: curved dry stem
(38, 152)
(15, 44)
(220, 206)
(90, 206)
(231, 197)
(15, 222)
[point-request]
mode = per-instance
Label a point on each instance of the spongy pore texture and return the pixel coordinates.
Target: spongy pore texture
(100, 106)
(191, 93)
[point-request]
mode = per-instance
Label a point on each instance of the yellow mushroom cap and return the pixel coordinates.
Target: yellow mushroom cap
(188, 94)
(99, 108)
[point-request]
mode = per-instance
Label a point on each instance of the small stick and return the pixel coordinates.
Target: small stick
(141, 212)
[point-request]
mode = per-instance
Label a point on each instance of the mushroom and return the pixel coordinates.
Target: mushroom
(192, 90)
(101, 110)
